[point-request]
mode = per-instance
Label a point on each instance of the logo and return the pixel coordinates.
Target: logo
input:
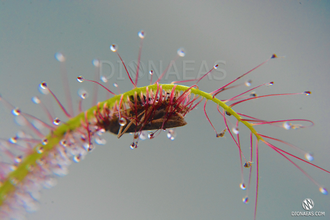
(307, 204)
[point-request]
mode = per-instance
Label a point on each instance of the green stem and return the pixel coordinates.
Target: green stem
(54, 138)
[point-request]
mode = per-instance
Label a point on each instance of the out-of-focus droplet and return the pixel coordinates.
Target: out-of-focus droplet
(16, 111)
(287, 125)
(122, 121)
(235, 130)
(309, 156)
(245, 199)
(80, 79)
(323, 190)
(56, 121)
(59, 57)
(242, 186)
(141, 34)
(35, 100)
(114, 48)
(96, 62)
(171, 134)
(248, 83)
(181, 52)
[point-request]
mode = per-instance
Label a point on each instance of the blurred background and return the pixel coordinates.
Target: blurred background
(196, 176)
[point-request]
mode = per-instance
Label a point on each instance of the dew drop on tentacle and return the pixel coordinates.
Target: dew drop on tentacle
(36, 100)
(323, 190)
(114, 48)
(150, 135)
(122, 121)
(56, 121)
(133, 145)
(83, 94)
(77, 158)
(216, 66)
(141, 34)
(115, 85)
(287, 125)
(44, 141)
(242, 186)
(43, 88)
(245, 200)
(18, 159)
(16, 111)
(59, 57)
(151, 72)
(63, 142)
(307, 92)
(104, 79)
(248, 83)
(309, 156)
(96, 62)
(100, 141)
(171, 134)
(80, 79)
(40, 149)
(235, 130)
(13, 140)
(143, 135)
(181, 52)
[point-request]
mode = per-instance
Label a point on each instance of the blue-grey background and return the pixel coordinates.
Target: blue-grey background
(196, 176)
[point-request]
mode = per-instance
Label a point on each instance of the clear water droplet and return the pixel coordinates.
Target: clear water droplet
(308, 92)
(96, 62)
(18, 159)
(133, 146)
(216, 66)
(287, 125)
(181, 52)
(323, 190)
(100, 141)
(13, 140)
(80, 79)
(309, 156)
(171, 134)
(56, 121)
(235, 130)
(242, 186)
(16, 111)
(271, 83)
(115, 85)
(63, 142)
(248, 83)
(114, 48)
(245, 199)
(122, 121)
(77, 158)
(43, 85)
(141, 34)
(59, 57)
(44, 141)
(90, 148)
(150, 135)
(151, 72)
(83, 94)
(104, 79)
(143, 135)
(35, 100)
(40, 149)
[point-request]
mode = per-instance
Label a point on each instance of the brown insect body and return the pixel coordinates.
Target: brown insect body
(161, 110)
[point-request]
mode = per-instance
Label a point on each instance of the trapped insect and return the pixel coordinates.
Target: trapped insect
(35, 158)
